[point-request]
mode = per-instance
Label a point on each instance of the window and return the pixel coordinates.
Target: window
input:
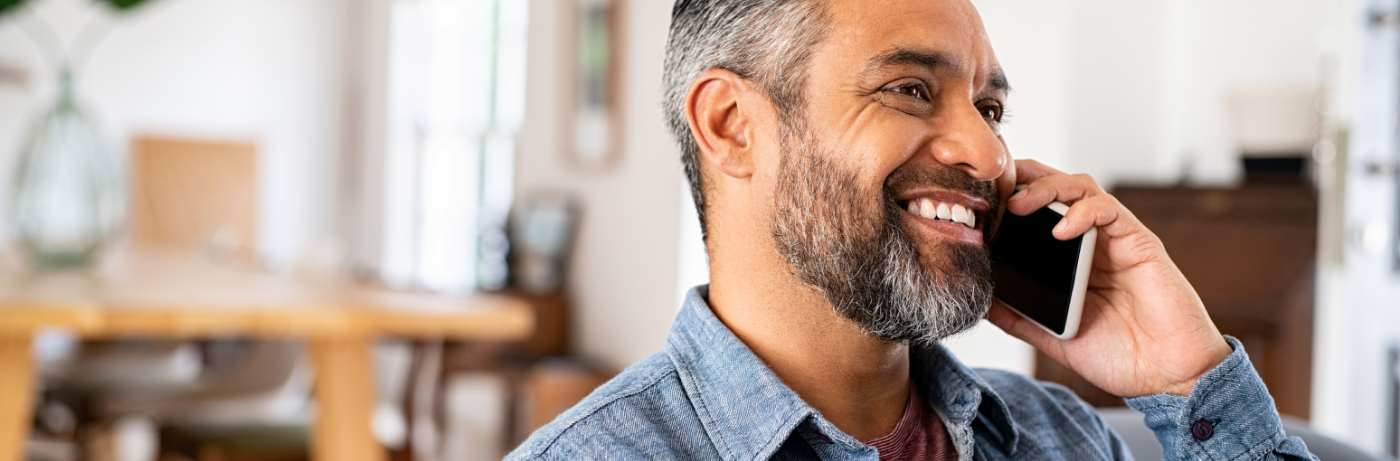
(455, 101)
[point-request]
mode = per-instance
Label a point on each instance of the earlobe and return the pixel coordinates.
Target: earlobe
(721, 125)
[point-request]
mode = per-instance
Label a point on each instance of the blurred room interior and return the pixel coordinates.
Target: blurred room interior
(426, 227)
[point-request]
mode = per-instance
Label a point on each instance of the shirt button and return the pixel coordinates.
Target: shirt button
(1202, 430)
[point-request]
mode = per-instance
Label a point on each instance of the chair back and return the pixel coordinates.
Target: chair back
(197, 195)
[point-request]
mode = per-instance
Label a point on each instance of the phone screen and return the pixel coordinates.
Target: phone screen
(1032, 270)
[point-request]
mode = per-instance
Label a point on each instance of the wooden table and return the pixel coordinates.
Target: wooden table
(161, 295)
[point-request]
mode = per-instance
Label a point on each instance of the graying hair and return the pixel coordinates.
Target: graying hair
(768, 42)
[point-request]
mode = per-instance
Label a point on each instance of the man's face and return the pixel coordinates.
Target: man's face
(903, 106)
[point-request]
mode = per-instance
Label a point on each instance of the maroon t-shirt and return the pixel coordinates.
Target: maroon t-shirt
(920, 435)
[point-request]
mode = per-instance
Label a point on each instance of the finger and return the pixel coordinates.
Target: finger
(1027, 172)
(1063, 188)
(1103, 211)
(1015, 325)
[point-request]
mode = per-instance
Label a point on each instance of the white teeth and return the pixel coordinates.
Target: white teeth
(960, 214)
(927, 208)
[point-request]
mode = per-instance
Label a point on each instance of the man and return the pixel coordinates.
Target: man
(806, 128)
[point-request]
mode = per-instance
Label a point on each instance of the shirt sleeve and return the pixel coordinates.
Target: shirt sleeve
(1229, 416)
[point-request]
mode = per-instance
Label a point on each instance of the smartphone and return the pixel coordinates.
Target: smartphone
(1038, 276)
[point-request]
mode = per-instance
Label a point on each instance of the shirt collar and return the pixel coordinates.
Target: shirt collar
(961, 395)
(745, 408)
(748, 412)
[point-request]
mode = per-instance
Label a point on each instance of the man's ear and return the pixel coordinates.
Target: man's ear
(722, 126)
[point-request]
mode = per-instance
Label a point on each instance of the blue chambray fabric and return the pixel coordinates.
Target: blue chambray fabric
(707, 396)
(1232, 398)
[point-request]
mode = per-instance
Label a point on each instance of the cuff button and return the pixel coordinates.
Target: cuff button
(1202, 430)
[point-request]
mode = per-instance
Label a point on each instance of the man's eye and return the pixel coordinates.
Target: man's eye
(991, 112)
(917, 90)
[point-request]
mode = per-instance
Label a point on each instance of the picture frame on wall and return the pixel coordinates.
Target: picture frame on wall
(596, 117)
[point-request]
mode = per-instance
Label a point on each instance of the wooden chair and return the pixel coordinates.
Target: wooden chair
(195, 195)
(200, 196)
(186, 195)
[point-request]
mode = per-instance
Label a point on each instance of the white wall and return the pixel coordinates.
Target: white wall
(1135, 91)
(261, 70)
(623, 277)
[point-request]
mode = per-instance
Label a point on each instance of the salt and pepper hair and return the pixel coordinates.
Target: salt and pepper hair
(768, 42)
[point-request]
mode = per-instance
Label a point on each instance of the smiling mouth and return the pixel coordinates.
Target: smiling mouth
(941, 211)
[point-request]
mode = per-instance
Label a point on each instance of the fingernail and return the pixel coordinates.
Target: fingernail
(1061, 226)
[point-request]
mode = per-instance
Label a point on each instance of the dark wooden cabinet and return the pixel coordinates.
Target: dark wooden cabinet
(1249, 252)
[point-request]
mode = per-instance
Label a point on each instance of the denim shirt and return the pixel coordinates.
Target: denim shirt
(707, 396)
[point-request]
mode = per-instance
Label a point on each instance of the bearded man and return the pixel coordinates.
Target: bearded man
(806, 129)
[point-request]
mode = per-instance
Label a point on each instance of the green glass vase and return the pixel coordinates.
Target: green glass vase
(69, 189)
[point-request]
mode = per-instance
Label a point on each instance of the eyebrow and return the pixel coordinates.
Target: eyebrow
(996, 78)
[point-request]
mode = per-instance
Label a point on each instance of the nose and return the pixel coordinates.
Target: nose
(966, 141)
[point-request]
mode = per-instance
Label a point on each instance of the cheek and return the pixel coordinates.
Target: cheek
(890, 144)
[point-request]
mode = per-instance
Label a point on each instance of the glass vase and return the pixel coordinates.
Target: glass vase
(68, 196)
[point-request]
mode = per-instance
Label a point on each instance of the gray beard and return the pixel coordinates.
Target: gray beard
(862, 259)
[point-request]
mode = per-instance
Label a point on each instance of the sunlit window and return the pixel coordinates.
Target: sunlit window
(455, 104)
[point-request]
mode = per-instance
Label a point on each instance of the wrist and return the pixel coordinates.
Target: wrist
(1213, 357)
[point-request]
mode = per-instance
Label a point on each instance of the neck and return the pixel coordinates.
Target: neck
(857, 382)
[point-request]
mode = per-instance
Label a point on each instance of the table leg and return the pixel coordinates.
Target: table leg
(16, 395)
(345, 401)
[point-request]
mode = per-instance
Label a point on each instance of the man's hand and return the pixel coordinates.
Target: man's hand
(1144, 330)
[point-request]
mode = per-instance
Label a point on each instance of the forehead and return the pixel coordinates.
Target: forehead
(862, 29)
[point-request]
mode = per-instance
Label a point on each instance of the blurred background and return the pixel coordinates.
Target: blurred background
(460, 148)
